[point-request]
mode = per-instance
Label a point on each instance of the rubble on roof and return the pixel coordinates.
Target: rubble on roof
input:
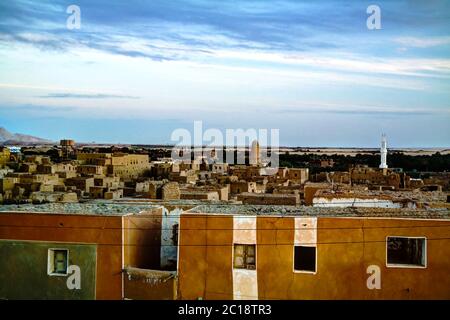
(321, 212)
(97, 207)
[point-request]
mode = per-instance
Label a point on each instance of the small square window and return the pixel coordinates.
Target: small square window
(58, 261)
(305, 258)
(404, 252)
(245, 256)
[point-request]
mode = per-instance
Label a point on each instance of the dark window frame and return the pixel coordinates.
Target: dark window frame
(396, 264)
(304, 270)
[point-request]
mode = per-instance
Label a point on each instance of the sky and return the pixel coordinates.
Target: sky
(137, 70)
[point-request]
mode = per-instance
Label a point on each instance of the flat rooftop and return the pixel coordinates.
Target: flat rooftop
(94, 208)
(235, 209)
(193, 202)
(424, 196)
(266, 195)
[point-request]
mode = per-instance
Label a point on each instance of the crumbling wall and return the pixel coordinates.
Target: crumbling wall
(169, 238)
(170, 191)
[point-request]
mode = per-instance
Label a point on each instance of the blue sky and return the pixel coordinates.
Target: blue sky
(137, 70)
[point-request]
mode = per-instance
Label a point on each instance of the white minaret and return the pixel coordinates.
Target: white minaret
(383, 152)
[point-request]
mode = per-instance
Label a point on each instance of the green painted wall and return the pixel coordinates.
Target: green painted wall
(23, 271)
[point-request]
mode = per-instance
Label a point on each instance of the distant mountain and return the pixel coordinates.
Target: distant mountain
(7, 137)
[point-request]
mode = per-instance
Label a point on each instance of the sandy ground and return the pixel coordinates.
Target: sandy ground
(354, 151)
(302, 150)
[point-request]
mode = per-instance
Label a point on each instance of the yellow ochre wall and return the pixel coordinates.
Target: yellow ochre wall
(205, 257)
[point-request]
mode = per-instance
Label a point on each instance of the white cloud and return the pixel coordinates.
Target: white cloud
(403, 67)
(416, 42)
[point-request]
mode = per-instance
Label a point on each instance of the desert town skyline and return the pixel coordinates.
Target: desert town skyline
(8, 138)
(132, 222)
(204, 151)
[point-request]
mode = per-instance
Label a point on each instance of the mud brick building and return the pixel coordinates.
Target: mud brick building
(83, 251)
(280, 252)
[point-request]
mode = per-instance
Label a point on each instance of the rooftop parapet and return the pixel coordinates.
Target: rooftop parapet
(91, 208)
(262, 210)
